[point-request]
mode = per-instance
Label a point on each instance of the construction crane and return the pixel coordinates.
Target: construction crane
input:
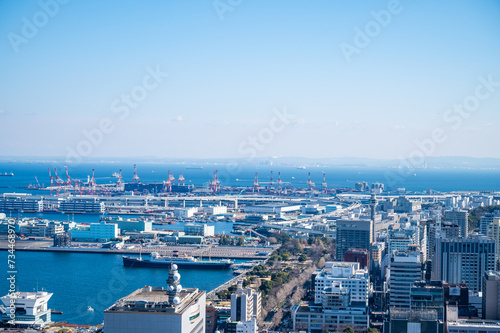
(256, 183)
(181, 179)
(215, 183)
(119, 182)
(279, 182)
(310, 183)
(38, 183)
(135, 179)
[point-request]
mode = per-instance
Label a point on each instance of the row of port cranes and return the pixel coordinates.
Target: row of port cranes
(272, 187)
(76, 186)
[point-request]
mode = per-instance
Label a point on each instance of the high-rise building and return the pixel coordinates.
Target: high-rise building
(491, 295)
(460, 217)
(463, 259)
(450, 230)
(155, 309)
(341, 299)
(358, 255)
(428, 296)
(486, 220)
(353, 234)
(405, 269)
(494, 233)
(245, 304)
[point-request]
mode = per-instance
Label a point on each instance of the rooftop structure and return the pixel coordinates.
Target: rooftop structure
(155, 309)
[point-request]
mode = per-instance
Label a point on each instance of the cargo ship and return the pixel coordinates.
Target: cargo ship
(157, 261)
(7, 174)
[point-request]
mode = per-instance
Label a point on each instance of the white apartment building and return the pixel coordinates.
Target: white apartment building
(348, 275)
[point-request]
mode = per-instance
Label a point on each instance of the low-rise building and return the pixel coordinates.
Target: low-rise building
(30, 309)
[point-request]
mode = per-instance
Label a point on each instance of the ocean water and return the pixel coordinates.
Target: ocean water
(79, 280)
(416, 180)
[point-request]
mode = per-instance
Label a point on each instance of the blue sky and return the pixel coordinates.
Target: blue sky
(229, 71)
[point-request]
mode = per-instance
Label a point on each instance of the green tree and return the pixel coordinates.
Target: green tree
(285, 256)
(266, 286)
(372, 330)
(302, 258)
(348, 329)
(241, 241)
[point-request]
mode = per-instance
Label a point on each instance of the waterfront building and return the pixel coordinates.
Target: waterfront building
(353, 234)
(41, 229)
(271, 209)
(491, 295)
(82, 206)
(155, 309)
(31, 309)
(62, 240)
(21, 203)
(199, 229)
(133, 225)
(245, 304)
(459, 217)
(464, 259)
(100, 232)
(185, 213)
(405, 269)
(215, 210)
(349, 275)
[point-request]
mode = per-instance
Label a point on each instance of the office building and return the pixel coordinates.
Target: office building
(491, 295)
(464, 260)
(352, 234)
(413, 321)
(95, 232)
(459, 217)
(486, 220)
(459, 325)
(450, 230)
(212, 316)
(362, 256)
(405, 269)
(428, 296)
(155, 309)
(494, 233)
(30, 309)
(199, 229)
(245, 304)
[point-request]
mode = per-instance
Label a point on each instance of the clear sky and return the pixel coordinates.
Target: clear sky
(360, 78)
